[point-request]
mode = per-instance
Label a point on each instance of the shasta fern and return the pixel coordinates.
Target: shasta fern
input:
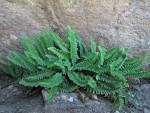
(67, 65)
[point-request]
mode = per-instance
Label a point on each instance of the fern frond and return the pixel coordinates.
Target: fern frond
(101, 90)
(42, 43)
(28, 45)
(21, 61)
(106, 78)
(138, 74)
(118, 63)
(73, 45)
(110, 53)
(60, 53)
(92, 45)
(12, 70)
(92, 68)
(137, 63)
(81, 80)
(88, 60)
(39, 75)
(101, 54)
(66, 87)
(52, 93)
(59, 42)
(39, 46)
(60, 65)
(48, 39)
(51, 82)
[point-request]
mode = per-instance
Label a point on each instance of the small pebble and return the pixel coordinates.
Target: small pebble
(116, 112)
(71, 99)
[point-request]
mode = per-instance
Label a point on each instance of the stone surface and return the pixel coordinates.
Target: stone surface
(62, 104)
(146, 111)
(14, 99)
(141, 97)
(19, 18)
(69, 103)
(111, 22)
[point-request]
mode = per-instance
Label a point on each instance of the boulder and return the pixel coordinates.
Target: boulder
(70, 103)
(110, 22)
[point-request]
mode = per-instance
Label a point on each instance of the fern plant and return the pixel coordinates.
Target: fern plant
(67, 65)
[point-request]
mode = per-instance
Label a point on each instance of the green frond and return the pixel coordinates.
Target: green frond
(43, 43)
(60, 65)
(73, 45)
(102, 53)
(67, 87)
(21, 61)
(88, 60)
(48, 39)
(12, 70)
(58, 41)
(39, 46)
(110, 53)
(51, 82)
(135, 64)
(40, 61)
(106, 78)
(92, 45)
(138, 74)
(92, 68)
(60, 53)
(119, 99)
(52, 93)
(30, 59)
(101, 90)
(81, 80)
(68, 65)
(82, 48)
(28, 45)
(119, 77)
(118, 63)
(39, 75)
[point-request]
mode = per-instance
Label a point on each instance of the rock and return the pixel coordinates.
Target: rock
(116, 112)
(69, 103)
(83, 97)
(146, 110)
(13, 99)
(145, 88)
(141, 98)
(19, 18)
(5, 80)
(123, 22)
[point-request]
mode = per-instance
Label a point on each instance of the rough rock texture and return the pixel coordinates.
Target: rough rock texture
(69, 103)
(14, 98)
(111, 22)
(19, 18)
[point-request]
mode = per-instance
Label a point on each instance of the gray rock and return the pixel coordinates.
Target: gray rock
(146, 110)
(69, 103)
(125, 22)
(116, 112)
(141, 97)
(145, 88)
(13, 98)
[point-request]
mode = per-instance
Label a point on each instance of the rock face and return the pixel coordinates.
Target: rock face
(111, 22)
(14, 98)
(69, 103)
